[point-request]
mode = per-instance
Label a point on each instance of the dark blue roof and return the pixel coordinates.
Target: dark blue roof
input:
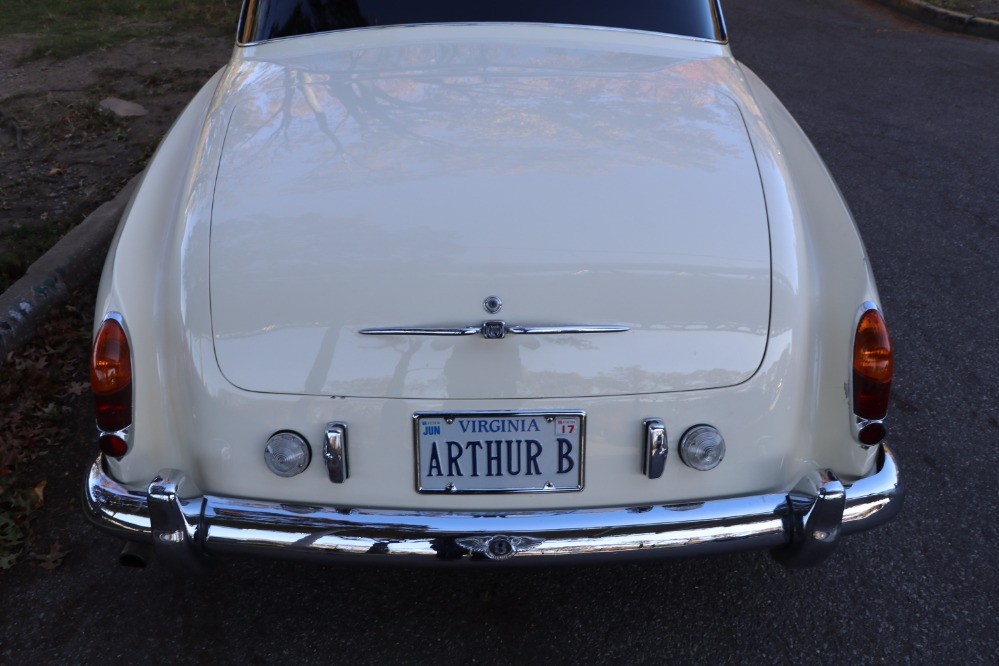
(270, 19)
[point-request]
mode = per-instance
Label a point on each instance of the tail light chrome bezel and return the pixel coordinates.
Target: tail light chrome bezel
(124, 433)
(860, 423)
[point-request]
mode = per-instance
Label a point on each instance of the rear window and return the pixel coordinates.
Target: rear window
(270, 19)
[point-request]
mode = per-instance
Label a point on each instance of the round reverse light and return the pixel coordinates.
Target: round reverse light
(287, 454)
(702, 447)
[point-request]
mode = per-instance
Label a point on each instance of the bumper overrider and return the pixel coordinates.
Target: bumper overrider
(801, 527)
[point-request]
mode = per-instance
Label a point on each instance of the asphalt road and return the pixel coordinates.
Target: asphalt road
(908, 120)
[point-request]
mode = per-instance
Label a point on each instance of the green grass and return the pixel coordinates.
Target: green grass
(69, 27)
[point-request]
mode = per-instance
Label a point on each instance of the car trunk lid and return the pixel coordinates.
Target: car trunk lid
(402, 186)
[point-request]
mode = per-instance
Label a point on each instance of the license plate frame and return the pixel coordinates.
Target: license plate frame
(549, 480)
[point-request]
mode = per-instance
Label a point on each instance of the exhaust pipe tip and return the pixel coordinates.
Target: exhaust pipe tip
(135, 555)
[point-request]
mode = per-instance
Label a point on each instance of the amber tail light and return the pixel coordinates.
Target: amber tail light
(111, 381)
(873, 365)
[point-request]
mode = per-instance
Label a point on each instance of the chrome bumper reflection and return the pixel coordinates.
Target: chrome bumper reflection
(802, 528)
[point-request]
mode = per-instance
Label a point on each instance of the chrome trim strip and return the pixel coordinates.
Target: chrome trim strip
(722, 27)
(565, 330)
(489, 329)
(117, 317)
(251, 527)
(419, 330)
(548, 414)
(241, 23)
(864, 307)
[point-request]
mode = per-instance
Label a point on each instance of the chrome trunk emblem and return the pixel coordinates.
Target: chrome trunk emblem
(493, 330)
(492, 304)
(499, 547)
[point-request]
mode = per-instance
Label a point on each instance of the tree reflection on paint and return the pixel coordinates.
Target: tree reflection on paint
(380, 109)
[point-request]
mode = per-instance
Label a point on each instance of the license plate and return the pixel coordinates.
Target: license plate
(499, 452)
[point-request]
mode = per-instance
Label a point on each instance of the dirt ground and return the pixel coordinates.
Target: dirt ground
(61, 155)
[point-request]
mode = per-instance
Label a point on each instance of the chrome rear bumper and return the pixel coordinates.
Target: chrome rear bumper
(801, 528)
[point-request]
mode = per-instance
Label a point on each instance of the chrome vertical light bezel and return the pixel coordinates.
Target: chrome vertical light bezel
(125, 435)
(656, 450)
(335, 451)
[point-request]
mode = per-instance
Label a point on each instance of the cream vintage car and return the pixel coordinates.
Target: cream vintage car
(522, 281)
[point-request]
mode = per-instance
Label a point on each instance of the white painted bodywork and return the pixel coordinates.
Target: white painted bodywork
(585, 176)
(403, 185)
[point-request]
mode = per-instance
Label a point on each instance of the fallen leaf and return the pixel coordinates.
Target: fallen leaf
(56, 171)
(39, 492)
(53, 558)
(76, 388)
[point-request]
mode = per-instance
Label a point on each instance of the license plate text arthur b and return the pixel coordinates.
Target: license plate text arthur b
(499, 451)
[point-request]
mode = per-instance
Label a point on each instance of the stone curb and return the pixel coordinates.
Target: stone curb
(69, 263)
(944, 18)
